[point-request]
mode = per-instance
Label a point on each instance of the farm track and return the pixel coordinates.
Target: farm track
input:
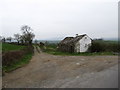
(50, 71)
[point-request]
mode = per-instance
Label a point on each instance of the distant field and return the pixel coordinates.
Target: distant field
(9, 47)
(50, 41)
(110, 42)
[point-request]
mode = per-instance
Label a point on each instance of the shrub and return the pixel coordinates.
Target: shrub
(12, 56)
(113, 47)
(104, 46)
(97, 46)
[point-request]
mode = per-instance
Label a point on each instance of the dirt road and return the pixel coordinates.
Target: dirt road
(50, 71)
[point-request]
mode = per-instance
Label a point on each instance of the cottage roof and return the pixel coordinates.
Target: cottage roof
(72, 40)
(66, 40)
(77, 38)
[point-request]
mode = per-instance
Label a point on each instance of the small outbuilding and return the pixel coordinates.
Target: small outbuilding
(80, 43)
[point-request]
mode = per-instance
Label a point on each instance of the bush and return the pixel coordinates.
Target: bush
(13, 56)
(97, 46)
(104, 46)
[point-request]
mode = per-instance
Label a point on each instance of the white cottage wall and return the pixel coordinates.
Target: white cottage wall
(85, 43)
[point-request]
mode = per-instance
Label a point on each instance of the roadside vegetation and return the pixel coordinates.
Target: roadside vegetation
(99, 47)
(105, 46)
(16, 54)
(18, 61)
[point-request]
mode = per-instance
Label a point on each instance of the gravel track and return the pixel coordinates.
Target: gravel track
(50, 71)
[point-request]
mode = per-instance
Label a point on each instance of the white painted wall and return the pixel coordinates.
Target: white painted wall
(85, 43)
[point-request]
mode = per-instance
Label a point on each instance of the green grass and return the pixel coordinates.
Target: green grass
(78, 54)
(19, 63)
(111, 42)
(51, 49)
(9, 47)
(25, 59)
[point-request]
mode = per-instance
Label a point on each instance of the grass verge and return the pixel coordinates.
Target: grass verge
(25, 60)
(79, 54)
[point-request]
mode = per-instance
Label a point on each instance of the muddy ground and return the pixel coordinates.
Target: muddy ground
(50, 71)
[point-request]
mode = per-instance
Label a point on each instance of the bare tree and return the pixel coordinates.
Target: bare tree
(22, 39)
(27, 34)
(3, 39)
(9, 39)
(17, 37)
(26, 29)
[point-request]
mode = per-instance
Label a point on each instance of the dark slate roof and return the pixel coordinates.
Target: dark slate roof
(66, 40)
(72, 40)
(77, 38)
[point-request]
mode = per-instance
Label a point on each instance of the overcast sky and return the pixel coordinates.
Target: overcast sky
(56, 19)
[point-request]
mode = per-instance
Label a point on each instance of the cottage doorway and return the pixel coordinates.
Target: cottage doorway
(71, 49)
